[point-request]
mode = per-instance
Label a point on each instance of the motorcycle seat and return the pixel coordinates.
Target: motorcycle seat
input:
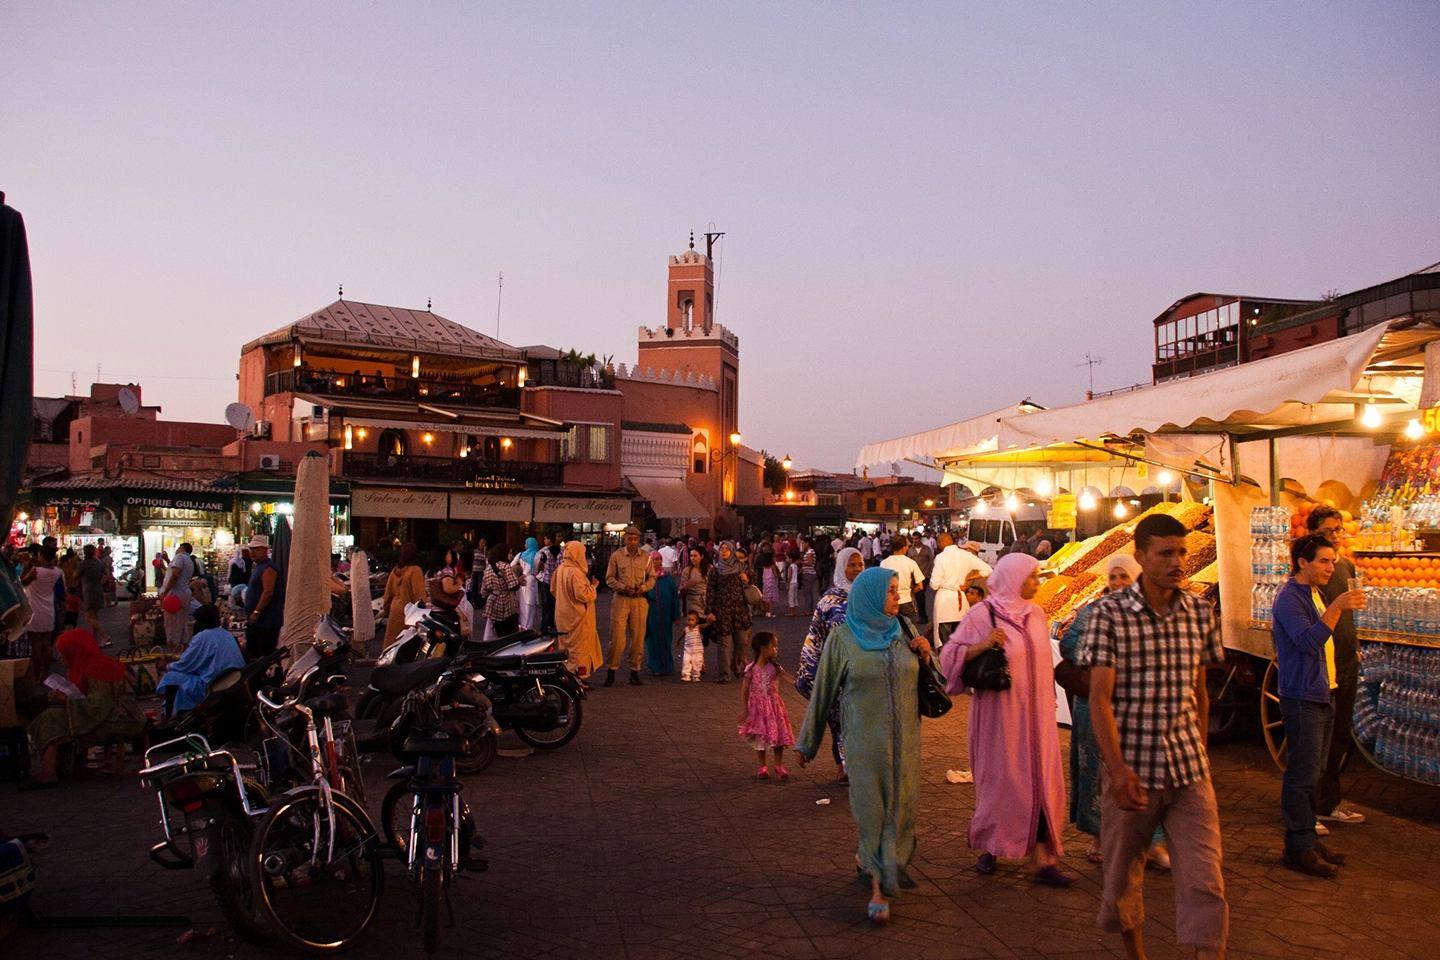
(500, 664)
(401, 678)
(436, 746)
(499, 643)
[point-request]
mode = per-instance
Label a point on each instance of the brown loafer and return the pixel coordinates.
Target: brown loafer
(1307, 861)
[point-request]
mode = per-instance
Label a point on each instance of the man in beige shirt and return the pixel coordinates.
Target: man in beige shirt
(630, 576)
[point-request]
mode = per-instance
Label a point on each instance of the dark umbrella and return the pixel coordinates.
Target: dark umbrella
(17, 340)
(17, 393)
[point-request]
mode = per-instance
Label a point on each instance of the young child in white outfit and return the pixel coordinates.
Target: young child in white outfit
(694, 650)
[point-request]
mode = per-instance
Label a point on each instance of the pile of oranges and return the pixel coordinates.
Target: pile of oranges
(1400, 570)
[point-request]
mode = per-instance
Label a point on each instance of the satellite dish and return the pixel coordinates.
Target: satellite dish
(128, 401)
(240, 416)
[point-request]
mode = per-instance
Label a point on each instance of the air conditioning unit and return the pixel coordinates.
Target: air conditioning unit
(269, 461)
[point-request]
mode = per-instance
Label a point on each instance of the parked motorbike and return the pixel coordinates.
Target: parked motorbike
(428, 695)
(432, 632)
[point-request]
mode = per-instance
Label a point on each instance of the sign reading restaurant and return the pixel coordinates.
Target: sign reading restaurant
(384, 502)
(492, 506)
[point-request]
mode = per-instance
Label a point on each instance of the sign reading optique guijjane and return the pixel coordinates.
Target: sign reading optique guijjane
(383, 502)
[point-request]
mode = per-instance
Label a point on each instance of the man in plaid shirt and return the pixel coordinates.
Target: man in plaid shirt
(1147, 647)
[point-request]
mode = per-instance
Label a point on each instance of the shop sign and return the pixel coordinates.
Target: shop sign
(195, 502)
(410, 504)
(169, 515)
(74, 503)
(582, 510)
(491, 506)
(1062, 512)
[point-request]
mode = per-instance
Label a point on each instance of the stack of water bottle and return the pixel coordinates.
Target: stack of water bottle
(1269, 558)
(1408, 611)
(1399, 708)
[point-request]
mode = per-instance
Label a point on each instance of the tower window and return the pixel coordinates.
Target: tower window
(699, 454)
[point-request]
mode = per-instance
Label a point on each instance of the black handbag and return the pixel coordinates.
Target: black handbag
(989, 670)
(930, 688)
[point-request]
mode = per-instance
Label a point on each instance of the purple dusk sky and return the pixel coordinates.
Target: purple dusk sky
(931, 210)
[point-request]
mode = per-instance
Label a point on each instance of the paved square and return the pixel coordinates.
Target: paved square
(649, 836)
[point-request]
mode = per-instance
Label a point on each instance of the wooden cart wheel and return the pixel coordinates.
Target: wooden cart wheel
(1270, 720)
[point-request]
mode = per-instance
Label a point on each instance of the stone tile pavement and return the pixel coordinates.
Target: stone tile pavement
(648, 836)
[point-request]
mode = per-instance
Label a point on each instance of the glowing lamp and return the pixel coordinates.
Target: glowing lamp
(1012, 502)
(979, 510)
(415, 366)
(786, 463)
(1120, 511)
(349, 437)
(428, 438)
(1087, 500)
(1043, 487)
(1165, 478)
(1413, 430)
(506, 443)
(1371, 416)
(734, 439)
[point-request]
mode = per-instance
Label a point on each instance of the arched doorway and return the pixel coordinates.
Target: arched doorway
(392, 443)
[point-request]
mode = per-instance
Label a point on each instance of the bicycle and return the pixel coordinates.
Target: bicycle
(441, 832)
(315, 868)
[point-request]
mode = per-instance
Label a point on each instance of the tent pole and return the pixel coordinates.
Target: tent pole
(1274, 473)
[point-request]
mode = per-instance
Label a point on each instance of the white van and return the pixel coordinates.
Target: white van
(993, 528)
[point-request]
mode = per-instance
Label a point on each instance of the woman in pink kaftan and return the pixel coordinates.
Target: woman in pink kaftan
(1014, 746)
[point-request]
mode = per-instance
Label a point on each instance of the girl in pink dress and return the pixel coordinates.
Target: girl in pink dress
(764, 721)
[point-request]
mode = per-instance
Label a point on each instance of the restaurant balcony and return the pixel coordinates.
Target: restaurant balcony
(474, 472)
(564, 373)
(329, 383)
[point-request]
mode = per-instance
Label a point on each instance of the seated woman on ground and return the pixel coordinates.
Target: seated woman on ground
(211, 652)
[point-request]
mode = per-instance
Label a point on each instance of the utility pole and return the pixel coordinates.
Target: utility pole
(499, 296)
(1092, 363)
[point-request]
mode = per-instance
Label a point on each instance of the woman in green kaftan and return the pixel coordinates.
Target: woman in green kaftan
(869, 659)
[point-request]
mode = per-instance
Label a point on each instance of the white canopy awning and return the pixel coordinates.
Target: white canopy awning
(669, 498)
(1261, 392)
(976, 435)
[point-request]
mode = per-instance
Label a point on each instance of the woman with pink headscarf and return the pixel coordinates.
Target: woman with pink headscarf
(1014, 746)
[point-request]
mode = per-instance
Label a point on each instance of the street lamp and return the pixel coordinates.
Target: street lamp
(786, 464)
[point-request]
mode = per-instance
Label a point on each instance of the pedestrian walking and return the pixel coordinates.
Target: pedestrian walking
(924, 558)
(664, 599)
(769, 584)
(830, 613)
(809, 579)
(526, 563)
(727, 609)
(548, 562)
(953, 569)
(1014, 746)
(501, 588)
(693, 650)
(404, 586)
(1147, 647)
(869, 659)
(630, 576)
(907, 575)
(764, 721)
(92, 592)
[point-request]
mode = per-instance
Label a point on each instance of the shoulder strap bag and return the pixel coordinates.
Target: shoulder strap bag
(930, 688)
(989, 670)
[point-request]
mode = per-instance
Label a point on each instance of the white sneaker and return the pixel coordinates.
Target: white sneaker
(1321, 830)
(1341, 815)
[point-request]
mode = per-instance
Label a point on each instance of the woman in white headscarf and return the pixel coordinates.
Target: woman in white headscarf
(1120, 572)
(829, 613)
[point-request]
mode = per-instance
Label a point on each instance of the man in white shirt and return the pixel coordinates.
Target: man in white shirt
(866, 548)
(669, 556)
(953, 568)
(907, 573)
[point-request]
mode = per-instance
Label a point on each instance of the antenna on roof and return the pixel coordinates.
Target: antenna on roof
(342, 291)
(428, 302)
(1092, 363)
(500, 294)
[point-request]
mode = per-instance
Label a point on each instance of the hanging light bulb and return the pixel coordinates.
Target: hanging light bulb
(1413, 430)
(1165, 478)
(1012, 502)
(979, 510)
(1120, 511)
(1087, 500)
(1371, 416)
(1043, 487)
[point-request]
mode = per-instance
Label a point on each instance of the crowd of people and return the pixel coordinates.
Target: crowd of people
(1133, 664)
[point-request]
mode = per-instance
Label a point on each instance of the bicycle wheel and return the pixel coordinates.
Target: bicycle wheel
(231, 882)
(316, 875)
(431, 881)
(567, 723)
(347, 763)
(395, 813)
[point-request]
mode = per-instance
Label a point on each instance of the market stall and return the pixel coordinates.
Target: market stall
(1269, 438)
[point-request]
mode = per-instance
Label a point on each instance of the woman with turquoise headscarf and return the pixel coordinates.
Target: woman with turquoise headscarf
(870, 659)
(529, 592)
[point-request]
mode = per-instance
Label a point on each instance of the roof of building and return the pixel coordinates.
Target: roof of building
(137, 483)
(376, 325)
(640, 426)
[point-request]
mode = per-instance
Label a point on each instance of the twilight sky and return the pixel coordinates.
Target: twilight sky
(932, 210)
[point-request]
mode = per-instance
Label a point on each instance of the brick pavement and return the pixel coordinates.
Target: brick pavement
(649, 837)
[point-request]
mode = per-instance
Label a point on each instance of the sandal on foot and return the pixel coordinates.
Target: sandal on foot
(1094, 855)
(879, 912)
(985, 864)
(784, 774)
(764, 773)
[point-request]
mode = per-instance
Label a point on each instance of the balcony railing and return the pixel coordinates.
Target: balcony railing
(415, 389)
(474, 472)
(563, 373)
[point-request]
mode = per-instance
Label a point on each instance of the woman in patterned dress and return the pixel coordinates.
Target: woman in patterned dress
(829, 614)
